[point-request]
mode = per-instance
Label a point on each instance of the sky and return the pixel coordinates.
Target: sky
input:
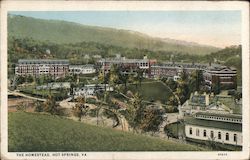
(216, 28)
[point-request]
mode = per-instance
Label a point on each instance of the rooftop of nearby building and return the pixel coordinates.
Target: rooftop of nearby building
(81, 66)
(214, 124)
(218, 67)
(181, 65)
(198, 99)
(238, 116)
(122, 60)
(43, 61)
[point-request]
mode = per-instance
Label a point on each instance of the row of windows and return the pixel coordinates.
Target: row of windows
(219, 118)
(212, 134)
(143, 64)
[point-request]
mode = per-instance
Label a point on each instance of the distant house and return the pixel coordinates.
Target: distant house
(221, 128)
(91, 89)
(97, 56)
(82, 69)
(54, 85)
(86, 56)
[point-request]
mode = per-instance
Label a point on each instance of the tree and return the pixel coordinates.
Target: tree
(22, 107)
(29, 79)
(167, 131)
(71, 90)
(124, 78)
(38, 107)
(139, 76)
(216, 87)
(114, 76)
(195, 81)
(80, 109)
(152, 119)
(134, 111)
(51, 106)
(171, 83)
(20, 80)
(173, 101)
(182, 90)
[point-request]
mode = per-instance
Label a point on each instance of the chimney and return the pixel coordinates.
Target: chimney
(207, 99)
(145, 57)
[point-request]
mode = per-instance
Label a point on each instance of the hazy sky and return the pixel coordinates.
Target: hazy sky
(217, 28)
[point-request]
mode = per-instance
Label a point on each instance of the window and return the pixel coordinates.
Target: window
(190, 130)
(227, 137)
(219, 135)
(212, 134)
(235, 137)
(204, 133)
(197, 132)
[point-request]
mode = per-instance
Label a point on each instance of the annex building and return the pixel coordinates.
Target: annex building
(225, 77)
(221, 128)
(82, 69)
(38, 67)
(170, 70)
(128, 66)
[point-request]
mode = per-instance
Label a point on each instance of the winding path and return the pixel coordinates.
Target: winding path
(15, 93)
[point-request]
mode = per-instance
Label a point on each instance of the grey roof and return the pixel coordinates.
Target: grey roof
(122, 60)
(85, 65)
(198, 99)
(220, 115)
(182, 65)
(43, 61)
(214, 124)
(217, 67)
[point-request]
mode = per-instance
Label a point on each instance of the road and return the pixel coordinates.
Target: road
(170, 118)
(15, 93)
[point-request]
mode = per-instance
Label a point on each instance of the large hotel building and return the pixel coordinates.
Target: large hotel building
(213, 74)
(37, 67)
(225, 76)
(127, 65)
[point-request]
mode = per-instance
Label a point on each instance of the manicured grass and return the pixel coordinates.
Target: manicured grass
(152, 91)
(42, 132)
(43, 93)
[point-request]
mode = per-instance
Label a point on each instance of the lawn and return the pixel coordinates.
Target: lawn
(152, 91)
(42, 132)
(43, 93)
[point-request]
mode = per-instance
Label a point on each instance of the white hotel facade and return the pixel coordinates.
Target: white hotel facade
(221, 128)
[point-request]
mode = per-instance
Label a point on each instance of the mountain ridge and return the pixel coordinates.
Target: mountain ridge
(60, 31)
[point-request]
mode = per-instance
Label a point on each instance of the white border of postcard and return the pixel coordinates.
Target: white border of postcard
(127, 5)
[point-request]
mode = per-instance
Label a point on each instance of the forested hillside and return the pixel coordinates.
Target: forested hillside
(30, 38)
(229, 56)
(61, 32)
